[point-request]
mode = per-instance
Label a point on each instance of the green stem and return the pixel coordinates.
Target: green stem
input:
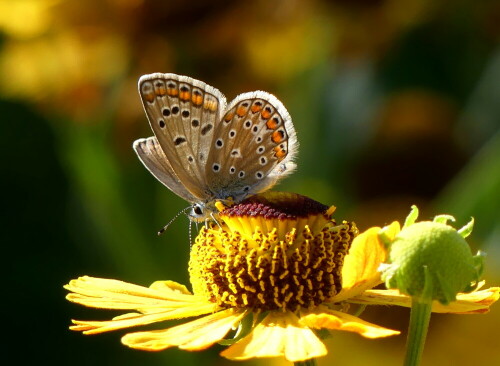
(360, 310)
(310, 362)
(417, 332)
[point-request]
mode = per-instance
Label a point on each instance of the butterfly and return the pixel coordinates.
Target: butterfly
(204, 150)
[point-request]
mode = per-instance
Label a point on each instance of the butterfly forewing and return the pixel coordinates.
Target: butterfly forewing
(183, 113)
(251, 146)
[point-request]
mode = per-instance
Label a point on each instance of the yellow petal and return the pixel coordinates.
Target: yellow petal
(360, 271)
(279, 334)
(477, 302)
(195, 335)
(135, 319)
(322, 317)
(113, 294)
(390, 231)
(164, 300)
(482, 299)
(170, 286)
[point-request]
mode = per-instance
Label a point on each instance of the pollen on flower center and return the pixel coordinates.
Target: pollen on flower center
(276, 251)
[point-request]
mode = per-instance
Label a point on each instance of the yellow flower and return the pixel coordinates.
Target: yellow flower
(273, 272)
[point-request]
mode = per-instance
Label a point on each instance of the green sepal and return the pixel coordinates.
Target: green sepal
(323, 333)
(478, 260)
(443, 219)
(245, 327)
(466, 230)
(412, 216)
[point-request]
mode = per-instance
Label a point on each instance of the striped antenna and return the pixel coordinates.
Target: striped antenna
(173, 219)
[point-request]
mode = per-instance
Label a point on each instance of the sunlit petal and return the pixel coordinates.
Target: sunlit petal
(279, 334)
(195, 335)
(360, 271)
(323, 317)
(170, 287)
(113, 294)
(477, 302)
(135, 319)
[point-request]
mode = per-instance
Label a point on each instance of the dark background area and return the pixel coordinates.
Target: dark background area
(395, 103)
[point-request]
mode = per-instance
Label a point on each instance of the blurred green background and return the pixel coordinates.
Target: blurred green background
(395, 103)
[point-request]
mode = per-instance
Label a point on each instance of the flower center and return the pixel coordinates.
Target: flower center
(265, 265)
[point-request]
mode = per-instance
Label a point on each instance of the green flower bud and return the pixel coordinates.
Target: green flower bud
(432, 260)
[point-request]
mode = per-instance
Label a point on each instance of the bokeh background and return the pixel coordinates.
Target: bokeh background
(395, 103)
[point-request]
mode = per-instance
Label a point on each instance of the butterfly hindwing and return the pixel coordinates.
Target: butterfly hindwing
(154, 159)
(253, 146)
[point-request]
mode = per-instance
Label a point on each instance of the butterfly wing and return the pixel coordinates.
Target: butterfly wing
(253, 146)
(154, 159)
(183, 113)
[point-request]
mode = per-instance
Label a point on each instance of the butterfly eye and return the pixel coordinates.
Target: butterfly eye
(197, 210)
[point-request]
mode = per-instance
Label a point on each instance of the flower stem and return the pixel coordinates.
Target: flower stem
(310, 362)
(417, 332)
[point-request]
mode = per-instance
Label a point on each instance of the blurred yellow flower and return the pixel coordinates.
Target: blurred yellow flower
(25, 18)
(63, 67)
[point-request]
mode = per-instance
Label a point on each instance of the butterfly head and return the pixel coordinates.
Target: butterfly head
(209, 210)
(199, 212)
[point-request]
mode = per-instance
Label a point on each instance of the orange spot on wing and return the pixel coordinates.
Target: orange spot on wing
(211, 105)
(272, 124)
(241, 111)
(229, 117)
(278, 136)
(255, 108)
(265, 114)
(150, 97)
(185, 95)
(160, 90)
(197, 99)
(279, 152)
(172, 92)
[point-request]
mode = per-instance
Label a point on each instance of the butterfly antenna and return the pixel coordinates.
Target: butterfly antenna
(163, 229)
(190, 234)
(191, 222)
